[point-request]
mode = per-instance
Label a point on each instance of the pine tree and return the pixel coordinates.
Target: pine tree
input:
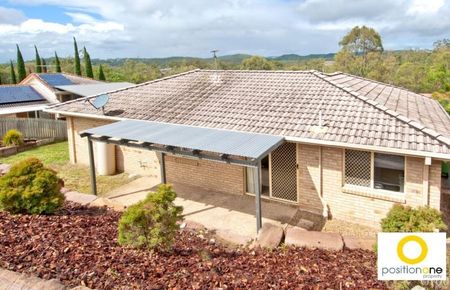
(101, 74)
(87, 64)
(57, 63)
(77, 58)
(38, 61)
(44, 65)
(13, 73)
(21, 72)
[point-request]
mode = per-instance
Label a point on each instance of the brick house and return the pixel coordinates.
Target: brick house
(352, 147)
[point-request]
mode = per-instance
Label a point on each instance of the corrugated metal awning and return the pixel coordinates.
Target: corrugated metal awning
(189, 140)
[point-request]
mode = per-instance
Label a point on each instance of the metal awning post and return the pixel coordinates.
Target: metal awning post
(163, 168)
(257, 180)
(92, 166)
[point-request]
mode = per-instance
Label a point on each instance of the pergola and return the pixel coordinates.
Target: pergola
(225, 146)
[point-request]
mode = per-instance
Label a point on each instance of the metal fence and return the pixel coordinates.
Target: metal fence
(35, 128)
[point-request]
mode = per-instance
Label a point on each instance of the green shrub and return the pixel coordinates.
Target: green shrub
(406, 219)
(151, 223)
(13, 138)
(30, 188)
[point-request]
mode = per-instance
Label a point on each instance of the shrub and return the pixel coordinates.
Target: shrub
(406, 219)
(151, 223)
(30, 188)
(13, 138)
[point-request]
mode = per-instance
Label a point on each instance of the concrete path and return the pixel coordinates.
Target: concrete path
(231, 216)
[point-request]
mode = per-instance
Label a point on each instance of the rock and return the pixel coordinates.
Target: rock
(212, 241)
(80, 288)
(194, 225)
(65, 190)
(233, 238)
(81, 198)
(310, 239)
(417, 287)
(103, 201)
(353, 243)
(269, 236)
(13, 280)
(4, 168)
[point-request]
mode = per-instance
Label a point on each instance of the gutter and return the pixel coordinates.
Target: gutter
(440, 156)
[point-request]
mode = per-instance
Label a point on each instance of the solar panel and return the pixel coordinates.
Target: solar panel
(18, 94)
(56, 79)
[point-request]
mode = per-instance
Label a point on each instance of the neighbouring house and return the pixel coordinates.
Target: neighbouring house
(333, 144)
(38, 90)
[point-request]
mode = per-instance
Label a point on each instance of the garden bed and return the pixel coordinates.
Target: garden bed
(28, 144)
(79, 247)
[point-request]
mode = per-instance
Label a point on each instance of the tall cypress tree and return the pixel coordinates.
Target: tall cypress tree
(21, 72)
(87, 64)
(57, 63)
(44, 65)
(101, 74)
(77, 58)
(13, 73)
(38, 61)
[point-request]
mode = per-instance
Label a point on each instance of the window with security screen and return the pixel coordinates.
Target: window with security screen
(375, 170)
(358, 168)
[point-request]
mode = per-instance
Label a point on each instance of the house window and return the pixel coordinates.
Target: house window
(374, 170)
(357, 168)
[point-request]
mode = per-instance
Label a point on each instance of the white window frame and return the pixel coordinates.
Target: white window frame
(372, 175)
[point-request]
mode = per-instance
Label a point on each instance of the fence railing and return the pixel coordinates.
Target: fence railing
(35, 128)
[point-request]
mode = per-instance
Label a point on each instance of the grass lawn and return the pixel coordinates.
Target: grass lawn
(76, 177)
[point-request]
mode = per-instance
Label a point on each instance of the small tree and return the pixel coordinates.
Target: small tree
(87, 64)
(101, 74)
(12, 73)
(44, 65)
(30, 188)
(57, 63)
(76, 58)
(13, 138)
(38, 60)
(151, 223)
(21, 71)
(256, 63)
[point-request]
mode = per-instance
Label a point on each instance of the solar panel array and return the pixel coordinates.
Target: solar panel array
(18, 94)
(55, 79)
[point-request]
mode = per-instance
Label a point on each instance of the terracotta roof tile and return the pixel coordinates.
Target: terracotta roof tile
(286, 103)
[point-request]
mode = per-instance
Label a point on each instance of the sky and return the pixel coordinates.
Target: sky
(161, 28)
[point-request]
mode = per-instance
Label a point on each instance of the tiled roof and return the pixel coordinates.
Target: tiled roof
(285, 103)
(10, 94)
(414, 106)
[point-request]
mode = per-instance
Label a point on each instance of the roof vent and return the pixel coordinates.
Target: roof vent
(320, 128)
(100, 102)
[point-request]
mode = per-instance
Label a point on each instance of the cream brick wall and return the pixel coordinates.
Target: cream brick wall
(370, 210)
(206, 174)
(308, 157)
(130, 160)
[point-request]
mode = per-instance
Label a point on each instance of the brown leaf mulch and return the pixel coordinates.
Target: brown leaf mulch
(79, 247)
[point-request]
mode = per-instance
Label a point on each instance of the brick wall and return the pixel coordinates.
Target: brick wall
(206, 174)
(309, 178)
(369, 210)
(130, 160)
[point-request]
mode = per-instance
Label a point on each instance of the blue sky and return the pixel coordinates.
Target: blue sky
(159, 28)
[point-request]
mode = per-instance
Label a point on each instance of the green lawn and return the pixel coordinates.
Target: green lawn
(76, 177)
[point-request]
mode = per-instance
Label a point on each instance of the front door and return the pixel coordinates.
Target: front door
(284, 172)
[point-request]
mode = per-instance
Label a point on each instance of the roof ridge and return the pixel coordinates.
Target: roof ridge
(257, 70)
(123, 89)
(415, 124)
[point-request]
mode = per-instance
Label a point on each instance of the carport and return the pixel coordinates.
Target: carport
(219, 145)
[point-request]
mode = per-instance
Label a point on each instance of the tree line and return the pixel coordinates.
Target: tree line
(41, 66)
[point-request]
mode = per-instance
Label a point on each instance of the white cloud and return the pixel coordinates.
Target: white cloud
(156, 28)
(10, 16)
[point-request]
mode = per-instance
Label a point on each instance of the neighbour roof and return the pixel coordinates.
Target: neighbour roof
(242, 144)
(55, 79)
(87, 90)
(18, 94)
(6, 109)
(283, 103)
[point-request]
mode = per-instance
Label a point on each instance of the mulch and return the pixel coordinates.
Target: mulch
(79, 247)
